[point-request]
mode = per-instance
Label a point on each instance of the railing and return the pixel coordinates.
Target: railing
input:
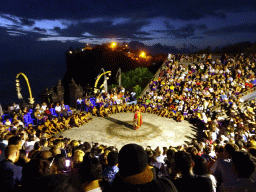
(241, 94)
(248, 101)
(248, 92)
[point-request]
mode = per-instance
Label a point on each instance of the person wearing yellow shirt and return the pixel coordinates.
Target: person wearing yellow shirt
(172, 88)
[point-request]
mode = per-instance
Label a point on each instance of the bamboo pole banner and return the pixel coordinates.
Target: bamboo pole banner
(31, 99)
(98, 78)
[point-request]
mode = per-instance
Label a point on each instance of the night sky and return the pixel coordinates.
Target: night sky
(35, 34)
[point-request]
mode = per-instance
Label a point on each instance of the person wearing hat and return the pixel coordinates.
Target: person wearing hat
(135, 174)
(137, 118)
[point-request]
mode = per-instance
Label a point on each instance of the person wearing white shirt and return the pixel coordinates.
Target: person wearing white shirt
(20, 123)
(155, 97)
(58, 109)
(16, 106)
(44, 106)
(122, 90)
(180, 107)
(118, 101)
(212, 70)
(200, 108)
(160, 97)
(8, 122)
(115, 97)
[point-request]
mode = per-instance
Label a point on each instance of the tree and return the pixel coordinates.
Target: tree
(136, 79)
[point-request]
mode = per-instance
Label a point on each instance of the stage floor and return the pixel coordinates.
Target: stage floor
(117, 130)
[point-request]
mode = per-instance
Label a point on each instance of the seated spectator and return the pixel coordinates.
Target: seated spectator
(78, 158)
(22, 159)
(222, 168)
(112, 169)
(10, 174)
(38, 115)
(58, 109)
(55, 151)
(186, 180)
(135, 173)
(200, 168)
(8, 122)
(44, 145)
(35, 152)
(44, 106)
(91, 175)
(244, 167)
(16, 140)
(57, 182)
(48, 113)
(16, 107)
(34, 170)
(59, 165)
(29, 144)
(45, 155)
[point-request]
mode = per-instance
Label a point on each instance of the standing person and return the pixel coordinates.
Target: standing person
(137, 118)
(79, 104)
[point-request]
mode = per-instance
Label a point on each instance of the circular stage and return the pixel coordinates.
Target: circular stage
(117, 130)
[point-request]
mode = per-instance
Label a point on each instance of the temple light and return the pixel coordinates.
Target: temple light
(143, 54)
(113, 45)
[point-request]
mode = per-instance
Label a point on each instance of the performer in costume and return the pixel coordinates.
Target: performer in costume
(137, 118)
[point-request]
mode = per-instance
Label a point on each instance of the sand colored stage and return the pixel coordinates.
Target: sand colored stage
(117, 130)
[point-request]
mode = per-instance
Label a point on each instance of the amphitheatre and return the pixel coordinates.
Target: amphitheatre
(117, 130)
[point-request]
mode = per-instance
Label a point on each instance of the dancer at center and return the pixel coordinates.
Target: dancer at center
(137, 118)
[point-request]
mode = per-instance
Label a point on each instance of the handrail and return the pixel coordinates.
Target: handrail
(241, 94)
(250, 91)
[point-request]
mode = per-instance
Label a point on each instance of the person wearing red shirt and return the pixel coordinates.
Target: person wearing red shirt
(48, 113)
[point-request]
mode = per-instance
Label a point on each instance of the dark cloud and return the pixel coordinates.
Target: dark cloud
(106, 29)
(250, 28)
(57, 29)
(39, 29)
(10, 18)
(70, 9)
(202, 27)
(183, 32)
(27, 22)
(199, 37)
(28, 47)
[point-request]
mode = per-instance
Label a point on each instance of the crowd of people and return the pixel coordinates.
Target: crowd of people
(42, 120)
(222, 159)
